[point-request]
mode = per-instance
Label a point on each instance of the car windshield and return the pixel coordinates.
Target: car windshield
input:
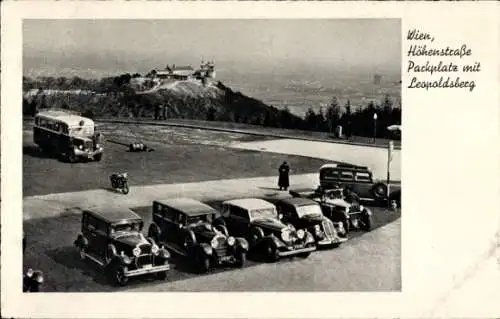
(201, 219)
(125, 228)
(332, 194)
(81, 131)
(266, 213)
(309, 210)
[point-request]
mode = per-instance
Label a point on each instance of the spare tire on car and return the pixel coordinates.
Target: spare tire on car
(379, 191)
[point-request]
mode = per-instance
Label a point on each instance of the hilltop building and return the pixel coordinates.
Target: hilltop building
(183, 73)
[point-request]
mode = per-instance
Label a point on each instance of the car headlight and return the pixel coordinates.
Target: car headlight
(39, 278)
(300, 234)
(136, 251)
(155, 250)
(285, 234)
(165, 253)
(213, 243)
(29, 273)
(317, 228)
(361, 207)
(126, 259)
(231, 241)
(80, 147)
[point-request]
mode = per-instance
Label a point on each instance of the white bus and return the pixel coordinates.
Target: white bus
(69, 136)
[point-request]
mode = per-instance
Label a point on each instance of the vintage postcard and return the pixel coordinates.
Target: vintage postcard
(247, 159)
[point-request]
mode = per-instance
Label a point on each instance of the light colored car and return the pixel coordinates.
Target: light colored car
(304, 213)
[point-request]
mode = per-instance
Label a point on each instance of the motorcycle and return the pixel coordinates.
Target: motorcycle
(119, 182)
(32, 280)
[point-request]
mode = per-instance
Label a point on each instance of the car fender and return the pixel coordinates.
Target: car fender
(206, 249)
(223, 229)
(241, 243)
(111, 249)
(367, 211)
(275, 241)
(81, 241)
(309, 237)
(154, 230)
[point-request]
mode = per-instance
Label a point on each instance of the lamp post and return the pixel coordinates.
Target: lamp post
(374, 126)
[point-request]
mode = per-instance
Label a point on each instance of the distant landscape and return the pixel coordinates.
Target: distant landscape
(273, 100)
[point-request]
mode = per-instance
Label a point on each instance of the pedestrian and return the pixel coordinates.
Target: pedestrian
(283, 180)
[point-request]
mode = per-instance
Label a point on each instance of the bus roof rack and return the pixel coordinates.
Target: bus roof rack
(55, 110)
(345, 165)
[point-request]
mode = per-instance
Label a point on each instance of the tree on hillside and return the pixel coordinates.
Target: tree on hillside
(321, 122)
(310, 119)
(333, 114)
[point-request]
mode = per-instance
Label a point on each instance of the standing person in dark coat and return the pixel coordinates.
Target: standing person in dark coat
(283, 180)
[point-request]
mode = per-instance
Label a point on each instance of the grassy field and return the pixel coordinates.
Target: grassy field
(180, 156)
(65, 272)
(323, 136)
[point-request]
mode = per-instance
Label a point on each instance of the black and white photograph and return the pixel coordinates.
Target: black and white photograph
(211, 155)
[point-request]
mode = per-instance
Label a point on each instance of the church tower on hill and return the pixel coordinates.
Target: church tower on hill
(207, 69)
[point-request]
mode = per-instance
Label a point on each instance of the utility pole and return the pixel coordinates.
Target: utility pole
(390, 149)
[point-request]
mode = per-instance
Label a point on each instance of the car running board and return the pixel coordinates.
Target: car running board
(94, 259)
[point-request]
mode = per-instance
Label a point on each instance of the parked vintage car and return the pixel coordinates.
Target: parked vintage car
(353, 216)
(194, 229)
(113, 239)
(358, 179)
(304, 213)
(257, 220)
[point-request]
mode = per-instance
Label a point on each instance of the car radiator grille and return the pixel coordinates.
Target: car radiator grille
(221, 252)
(88, 145)
(145, 249)
(143, 260)
(328, 229)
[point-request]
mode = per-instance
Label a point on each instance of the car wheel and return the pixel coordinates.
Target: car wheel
(203, 263)
(98, 157)
(272, 252)
(241, 259)
(379, 191)
(120, 277)
(367, 222)
(256, 234)
(125, 189)
(71, 157)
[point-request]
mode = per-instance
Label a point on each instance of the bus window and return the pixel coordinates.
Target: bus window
(346, 176)
(329, 173)
(363, 177)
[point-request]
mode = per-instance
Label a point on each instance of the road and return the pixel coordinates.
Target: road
(381, 249)
(56, 192)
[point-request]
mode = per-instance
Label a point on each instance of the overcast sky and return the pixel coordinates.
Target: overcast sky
(348, 43)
